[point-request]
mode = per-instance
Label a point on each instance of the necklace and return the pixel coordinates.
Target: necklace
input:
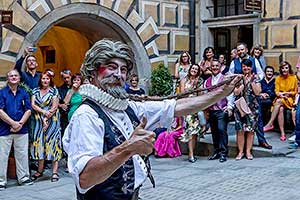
(103, 98)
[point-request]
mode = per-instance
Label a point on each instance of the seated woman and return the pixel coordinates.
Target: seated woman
(267, 94)
(285, 89)
(246, 123)
(166, 144)
(134, 86)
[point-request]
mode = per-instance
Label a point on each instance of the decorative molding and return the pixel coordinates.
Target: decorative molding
(166, 6)
(157, 5)
(294, 45)
(238, 20)
(181, 16)
(148, 23)
(168, 34)
(152, 45)
(265, 45)
(15, 29)
(275, 18)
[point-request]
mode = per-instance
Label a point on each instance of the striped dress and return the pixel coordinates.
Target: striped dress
(46, 144)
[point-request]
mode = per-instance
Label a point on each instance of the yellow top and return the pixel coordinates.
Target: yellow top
(286, 84)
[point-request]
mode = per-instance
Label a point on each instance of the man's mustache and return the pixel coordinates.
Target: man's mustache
(111, 80)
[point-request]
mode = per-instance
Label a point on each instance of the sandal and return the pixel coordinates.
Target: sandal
(54, 177)
(36, 175)
(239, 156)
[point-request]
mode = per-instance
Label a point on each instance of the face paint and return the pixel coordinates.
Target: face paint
(101, 69)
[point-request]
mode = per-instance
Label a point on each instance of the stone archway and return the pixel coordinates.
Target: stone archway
(33, 20)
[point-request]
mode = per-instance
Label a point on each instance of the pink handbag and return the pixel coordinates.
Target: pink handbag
(242, 106)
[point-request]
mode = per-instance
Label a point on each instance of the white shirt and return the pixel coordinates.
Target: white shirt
(83, 138)
(259, 70)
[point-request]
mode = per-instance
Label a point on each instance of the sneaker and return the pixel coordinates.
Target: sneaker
(292, 138)
(294, 146)
(2, 187)
(26, 182)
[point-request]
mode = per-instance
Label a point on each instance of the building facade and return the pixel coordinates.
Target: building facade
(157, 30)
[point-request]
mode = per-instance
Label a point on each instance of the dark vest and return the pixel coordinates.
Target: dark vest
(120, 185)
(238, 65)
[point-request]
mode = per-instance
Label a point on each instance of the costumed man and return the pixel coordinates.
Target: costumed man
(218, 116)
(236, 68)
(109, 133)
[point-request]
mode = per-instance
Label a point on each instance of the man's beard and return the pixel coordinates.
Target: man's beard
(113, 87)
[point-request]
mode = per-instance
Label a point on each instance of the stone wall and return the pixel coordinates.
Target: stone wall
(161, 28)
(279, 31)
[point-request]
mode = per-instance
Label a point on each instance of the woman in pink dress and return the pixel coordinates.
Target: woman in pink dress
(166, 144)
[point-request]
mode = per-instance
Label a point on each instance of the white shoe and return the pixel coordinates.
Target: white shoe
(292, 138)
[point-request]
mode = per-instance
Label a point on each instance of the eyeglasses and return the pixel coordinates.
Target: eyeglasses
(31, 60)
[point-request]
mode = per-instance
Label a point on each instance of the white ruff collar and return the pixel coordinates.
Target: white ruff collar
(99, 96)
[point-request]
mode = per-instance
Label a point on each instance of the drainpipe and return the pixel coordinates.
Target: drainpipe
(192, 50)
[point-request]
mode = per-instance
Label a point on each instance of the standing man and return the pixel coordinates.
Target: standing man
(108, 134)
(296, 144)
(218, 116)
(30, 76)
(15, 109)
(236, 68)
(242, 53)
(62, 90)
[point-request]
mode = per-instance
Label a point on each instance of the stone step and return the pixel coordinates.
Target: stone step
(204, 147)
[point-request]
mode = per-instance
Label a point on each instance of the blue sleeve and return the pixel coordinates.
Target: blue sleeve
(2, 101)
(27, 102)
(19, 64)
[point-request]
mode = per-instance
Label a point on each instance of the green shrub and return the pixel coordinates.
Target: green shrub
(161, 81)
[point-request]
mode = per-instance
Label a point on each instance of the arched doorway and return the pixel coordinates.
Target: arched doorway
(73, 26)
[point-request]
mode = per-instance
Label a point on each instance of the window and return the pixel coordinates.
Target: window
(50, 56)
(223, 8)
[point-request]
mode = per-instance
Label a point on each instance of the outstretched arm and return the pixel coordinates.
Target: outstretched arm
(191, 105)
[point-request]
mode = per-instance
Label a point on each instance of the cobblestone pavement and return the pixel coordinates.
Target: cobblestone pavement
(276, 178)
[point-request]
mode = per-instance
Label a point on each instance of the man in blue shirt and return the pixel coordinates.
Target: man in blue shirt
(15, 109)
(30, 76)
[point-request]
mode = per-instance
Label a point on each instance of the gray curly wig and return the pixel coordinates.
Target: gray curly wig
(104, 50)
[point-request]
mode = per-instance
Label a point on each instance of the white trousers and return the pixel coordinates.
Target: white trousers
(20, 142)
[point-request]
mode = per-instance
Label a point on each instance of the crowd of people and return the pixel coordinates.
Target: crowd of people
(34, 114)
(58, 114)
(257, 101)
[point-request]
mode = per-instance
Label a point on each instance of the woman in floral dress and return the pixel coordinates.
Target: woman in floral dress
(47, 136)
(249, 88)
(191, 123)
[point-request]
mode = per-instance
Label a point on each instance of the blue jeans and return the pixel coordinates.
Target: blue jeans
(260, 125)
(297, 127)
